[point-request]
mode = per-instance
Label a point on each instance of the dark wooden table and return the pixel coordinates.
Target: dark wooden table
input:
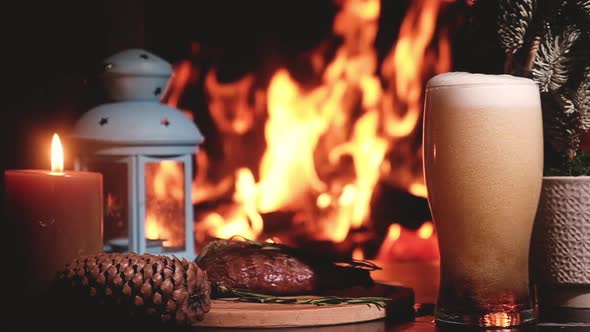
(423, 277)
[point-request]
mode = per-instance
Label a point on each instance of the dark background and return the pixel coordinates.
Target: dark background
(54, 48)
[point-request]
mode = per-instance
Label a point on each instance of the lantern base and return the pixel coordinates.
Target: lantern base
(122, 245)
(154, 247)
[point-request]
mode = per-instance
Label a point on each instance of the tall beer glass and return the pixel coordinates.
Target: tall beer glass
(483, 163)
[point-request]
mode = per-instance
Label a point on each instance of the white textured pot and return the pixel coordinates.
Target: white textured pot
(561, 246)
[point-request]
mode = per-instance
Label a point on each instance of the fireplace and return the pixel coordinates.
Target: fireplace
(326, 151)
(311, 111)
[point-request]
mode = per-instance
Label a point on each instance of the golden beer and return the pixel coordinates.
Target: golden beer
(483, 164)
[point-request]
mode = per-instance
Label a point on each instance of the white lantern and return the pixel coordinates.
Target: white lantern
(144, 149)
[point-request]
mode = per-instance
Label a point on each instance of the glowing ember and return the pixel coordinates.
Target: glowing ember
(402, 244)
(394, 232)
(324, 200)
(358, 254)
(418, 189)
(272, 240)
(425, 231)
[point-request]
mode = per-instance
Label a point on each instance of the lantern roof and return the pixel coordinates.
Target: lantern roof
(135, 80)
(137, 123)
(137, 62)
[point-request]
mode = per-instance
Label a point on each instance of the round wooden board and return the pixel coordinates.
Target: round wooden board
(241, 314)
(233, 314)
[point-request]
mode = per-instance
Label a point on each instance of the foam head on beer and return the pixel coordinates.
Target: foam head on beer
(505, 91)
(460, 78)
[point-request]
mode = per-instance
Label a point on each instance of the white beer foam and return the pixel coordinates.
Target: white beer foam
(464, 78)
(465, 91)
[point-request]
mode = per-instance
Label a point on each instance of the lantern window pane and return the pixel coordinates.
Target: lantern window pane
(116, 209)
(165, 206)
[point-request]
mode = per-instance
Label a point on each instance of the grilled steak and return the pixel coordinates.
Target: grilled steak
(276, 269)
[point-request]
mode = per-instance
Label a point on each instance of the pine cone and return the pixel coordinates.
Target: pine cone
(169, 289)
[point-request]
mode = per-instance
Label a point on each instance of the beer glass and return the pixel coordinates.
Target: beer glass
(483, 164)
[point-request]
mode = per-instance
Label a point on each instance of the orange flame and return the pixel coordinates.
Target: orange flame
(168, 181)
(404, 244)
(426, 230)
(327, 146)
(406, 68)
(292, 131)
(165, 202)
(182, 74)
(230, 97)
(299, 120)
(57, 155)
(358, 253)
(241, 218)
(394, 232)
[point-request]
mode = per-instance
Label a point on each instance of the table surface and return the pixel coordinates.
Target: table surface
(423, 277)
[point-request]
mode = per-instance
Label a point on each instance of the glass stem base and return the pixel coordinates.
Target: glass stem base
(499, 319)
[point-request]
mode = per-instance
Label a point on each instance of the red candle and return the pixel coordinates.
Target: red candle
(54, 216)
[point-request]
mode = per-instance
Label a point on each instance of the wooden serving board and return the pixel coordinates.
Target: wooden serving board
(228, 313)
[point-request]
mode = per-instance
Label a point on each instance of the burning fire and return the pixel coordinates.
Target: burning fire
(404, 244)
(326, 146)
(165, 203)
(242, 218)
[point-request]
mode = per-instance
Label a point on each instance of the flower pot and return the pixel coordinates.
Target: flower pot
(560, 250)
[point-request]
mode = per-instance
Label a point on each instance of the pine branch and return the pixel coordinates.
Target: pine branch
(581, 101)
(560, 123)
(248, 296)
(513, 23)
(567, 105)
(556, 35)
(552, 66)
(566, 117)
(584, 7)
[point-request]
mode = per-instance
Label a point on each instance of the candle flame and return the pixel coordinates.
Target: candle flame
(57, 155)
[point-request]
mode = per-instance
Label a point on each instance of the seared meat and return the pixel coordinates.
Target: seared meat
(276, 269)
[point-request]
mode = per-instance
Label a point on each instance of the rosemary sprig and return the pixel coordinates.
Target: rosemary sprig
(248, 296)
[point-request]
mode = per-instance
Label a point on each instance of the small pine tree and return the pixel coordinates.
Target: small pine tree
(549, 41)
